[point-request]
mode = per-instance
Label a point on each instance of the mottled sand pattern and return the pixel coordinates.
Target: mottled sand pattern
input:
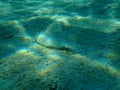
(60, 45)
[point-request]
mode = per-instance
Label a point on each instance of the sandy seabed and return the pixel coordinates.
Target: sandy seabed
(59, 45)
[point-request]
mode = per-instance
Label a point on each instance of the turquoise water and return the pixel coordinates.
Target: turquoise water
(59, 44)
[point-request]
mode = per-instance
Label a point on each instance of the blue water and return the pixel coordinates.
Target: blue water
(60, 45)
